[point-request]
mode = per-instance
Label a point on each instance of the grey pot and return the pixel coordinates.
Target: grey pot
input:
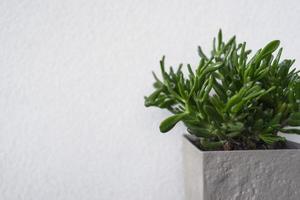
(241, 175)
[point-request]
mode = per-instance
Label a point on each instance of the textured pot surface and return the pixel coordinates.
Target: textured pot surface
(242, 175)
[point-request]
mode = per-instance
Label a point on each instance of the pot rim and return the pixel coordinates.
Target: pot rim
(294, 146)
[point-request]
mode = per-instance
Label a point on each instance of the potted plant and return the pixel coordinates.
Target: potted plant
(234, 103)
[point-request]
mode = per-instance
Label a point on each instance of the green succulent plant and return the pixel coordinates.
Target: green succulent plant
(232, 99)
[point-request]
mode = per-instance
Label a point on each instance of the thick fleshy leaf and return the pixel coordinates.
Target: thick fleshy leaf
(267, 50)
(170, 122)
(220, 40)
(149, 101)
(219, 90)
(200, 132)
(232, 101)
(271, 138)
(295, 116)
(290, 131)
(201, 53)
(213, 113)
(234, 134)
(293, 122)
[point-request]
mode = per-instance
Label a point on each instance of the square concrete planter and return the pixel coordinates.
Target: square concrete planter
(242, 175)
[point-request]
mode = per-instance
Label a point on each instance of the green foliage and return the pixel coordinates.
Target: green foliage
(232, 99)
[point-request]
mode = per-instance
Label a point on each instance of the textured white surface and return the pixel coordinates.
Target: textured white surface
(72, 78)
(241, 175)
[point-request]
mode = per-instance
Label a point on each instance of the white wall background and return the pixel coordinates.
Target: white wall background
(72, 79)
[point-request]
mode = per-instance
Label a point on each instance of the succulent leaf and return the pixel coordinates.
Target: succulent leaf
(170, 122)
